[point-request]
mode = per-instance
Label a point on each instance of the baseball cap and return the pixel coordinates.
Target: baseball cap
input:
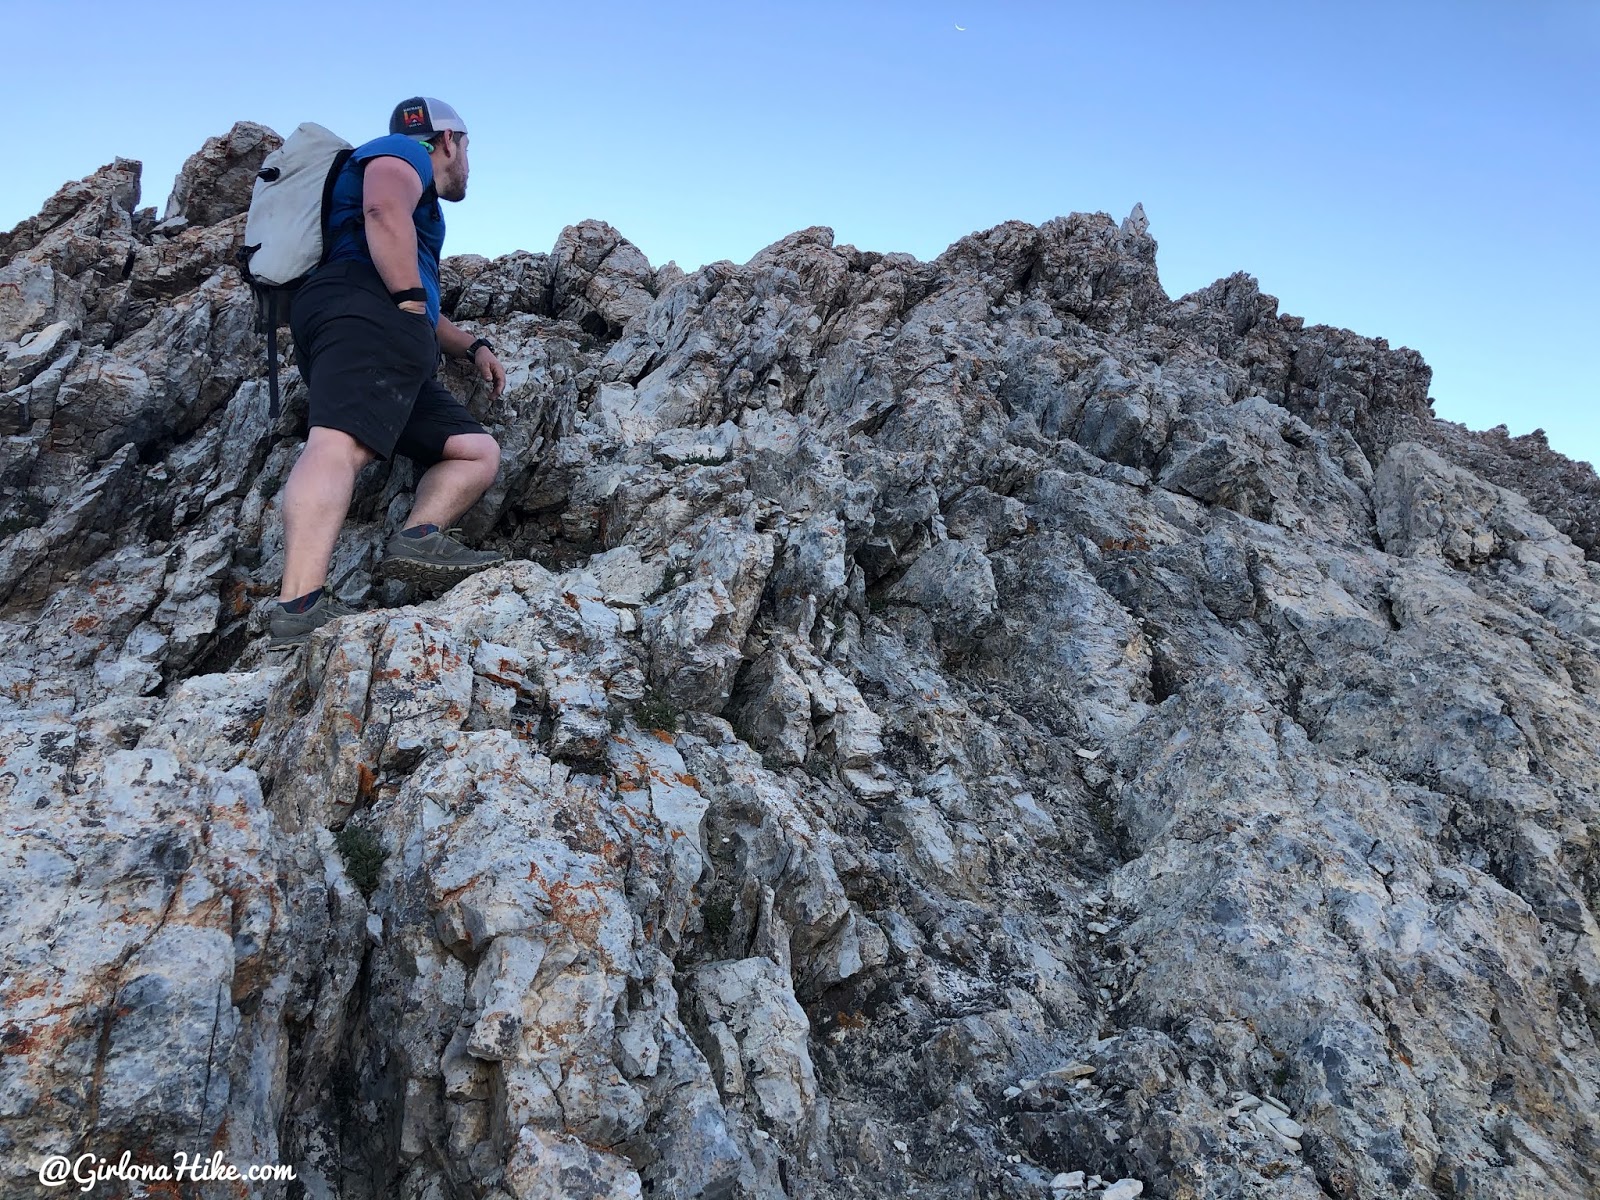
(422, 116)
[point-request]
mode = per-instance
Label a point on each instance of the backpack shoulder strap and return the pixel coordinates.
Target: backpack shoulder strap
(334, 170)
(272, 356)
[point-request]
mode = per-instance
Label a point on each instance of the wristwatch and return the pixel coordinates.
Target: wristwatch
(405, 294)
(472, 350)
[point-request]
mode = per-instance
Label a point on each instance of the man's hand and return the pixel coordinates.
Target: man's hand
(489, 367)
(456, 342)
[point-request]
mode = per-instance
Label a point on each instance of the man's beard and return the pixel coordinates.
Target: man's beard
(453, 190)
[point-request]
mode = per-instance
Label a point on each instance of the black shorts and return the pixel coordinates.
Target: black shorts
(370, 366)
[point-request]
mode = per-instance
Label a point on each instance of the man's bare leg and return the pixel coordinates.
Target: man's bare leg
(455, 483)
(316, 500)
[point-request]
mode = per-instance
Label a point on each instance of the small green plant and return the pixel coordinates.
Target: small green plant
(27, 512)
(344, 1087)
(363, 855)
(656, 710)
(741, 728)
(877, 604)
(670, 578)
(717, 915)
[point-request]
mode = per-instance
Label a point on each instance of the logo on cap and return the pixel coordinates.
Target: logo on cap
(414, 117)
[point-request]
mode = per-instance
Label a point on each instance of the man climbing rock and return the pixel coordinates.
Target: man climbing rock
(368, 333)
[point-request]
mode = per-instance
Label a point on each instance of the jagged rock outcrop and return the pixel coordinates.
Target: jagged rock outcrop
(958, 728)
(217, 180)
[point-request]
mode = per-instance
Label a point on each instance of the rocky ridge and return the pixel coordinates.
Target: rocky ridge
(969, 728)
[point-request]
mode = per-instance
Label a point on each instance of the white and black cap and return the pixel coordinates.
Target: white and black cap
(422, 116)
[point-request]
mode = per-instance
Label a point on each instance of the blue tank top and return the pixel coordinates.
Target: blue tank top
(347, 229)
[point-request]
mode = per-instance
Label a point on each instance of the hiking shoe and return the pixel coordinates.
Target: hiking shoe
(290, 629)
(435, 559)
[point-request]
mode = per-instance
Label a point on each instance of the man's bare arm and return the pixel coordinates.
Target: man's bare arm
(455, 342)
(390, 190)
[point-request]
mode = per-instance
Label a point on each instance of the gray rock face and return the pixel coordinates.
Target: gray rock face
(217, 180)
(979, 728)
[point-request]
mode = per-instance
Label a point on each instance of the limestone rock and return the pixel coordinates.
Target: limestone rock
(954, 583)
(1425, 506)
(1565, 493)
(979, 723)
(600, 279)
(216, 180)
(749, 1004)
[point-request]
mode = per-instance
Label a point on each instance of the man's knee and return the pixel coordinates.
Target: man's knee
(478, 448)
(326, 442)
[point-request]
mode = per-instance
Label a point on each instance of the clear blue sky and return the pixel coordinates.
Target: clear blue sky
(1421, 170)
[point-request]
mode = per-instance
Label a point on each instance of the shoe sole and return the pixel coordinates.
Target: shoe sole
(287, 641)
(415, 570)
